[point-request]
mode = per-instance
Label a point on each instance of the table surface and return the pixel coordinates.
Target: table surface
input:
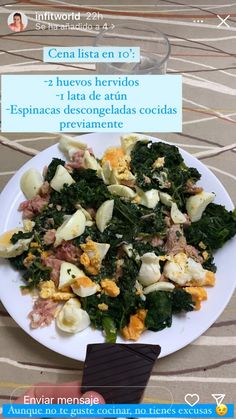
(206, 57)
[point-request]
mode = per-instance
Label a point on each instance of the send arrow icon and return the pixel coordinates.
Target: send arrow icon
(218, 398)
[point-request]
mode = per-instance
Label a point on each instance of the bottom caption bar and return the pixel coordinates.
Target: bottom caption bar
(117, 410)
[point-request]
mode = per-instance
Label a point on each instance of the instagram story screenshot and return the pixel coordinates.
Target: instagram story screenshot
(117, 208)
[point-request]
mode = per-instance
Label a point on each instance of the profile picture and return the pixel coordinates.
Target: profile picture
(17, 21)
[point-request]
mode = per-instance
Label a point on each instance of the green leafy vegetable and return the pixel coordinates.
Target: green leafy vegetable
(178, 179)
(110, 329)
(214, 229)
(35, 273)
(172, 177)
(162, 304)
(89, 191)
(181, 301)
(17, 262)
(159, 315)
(21, 235)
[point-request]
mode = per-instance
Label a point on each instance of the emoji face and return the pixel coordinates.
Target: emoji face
(221, 410)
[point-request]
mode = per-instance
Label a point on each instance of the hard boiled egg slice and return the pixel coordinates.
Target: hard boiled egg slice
(150, 269)
(159, 286)
(183, 270)
(121, 190)
(86, 213)
(176, 215)
(104, 172)
(166, 199)
(128, 142)
(71, 318)
(90, 162)
(10, 250)
(104, 214)
(69, 145)
(95, 249)
(176, 269)
(84, 287)
(129, 250)
(31, 182)
(73, 227)
(149, 199)
(68, 274)
(197, 204)
(114, 178)
(61, 177)
(196, 270)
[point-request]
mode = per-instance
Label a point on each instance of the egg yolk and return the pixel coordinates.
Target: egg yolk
(84, 281)
(113, 155)
(136, 325)
(198, 294)
(110, 287)
(5, 239)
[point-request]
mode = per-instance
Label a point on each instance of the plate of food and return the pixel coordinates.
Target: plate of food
(115, 238)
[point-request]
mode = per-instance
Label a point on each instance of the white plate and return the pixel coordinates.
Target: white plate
(185, 328)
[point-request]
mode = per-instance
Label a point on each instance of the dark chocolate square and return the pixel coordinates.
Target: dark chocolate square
(119, 372)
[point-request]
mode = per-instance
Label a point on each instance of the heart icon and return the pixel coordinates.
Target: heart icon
(191, 399)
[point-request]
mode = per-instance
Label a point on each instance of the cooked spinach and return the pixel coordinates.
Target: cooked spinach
(178, 178)
(159, 315)
(162, 305)
(48, 219)
(21, 235)
(90, 193)
(209, 264)
(120, 308)
(35, 273)
(214, 229)
(181, 301)
(17, 262)
(172, 177)
(144, 154)
(131, 221)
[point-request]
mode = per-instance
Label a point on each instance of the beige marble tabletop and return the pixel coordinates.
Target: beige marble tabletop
(205, 55)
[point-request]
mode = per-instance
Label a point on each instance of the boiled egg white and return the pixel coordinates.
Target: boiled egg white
(31, 182)
(176, 269)
(105, 172)
(69, 145)
(181, 269)
(158, 286)
(197, 204)
(72, 227)
(149, 198)
(176, 215)
(71, 318)
(10, 250)
(61, 177)
(121, 190)
(104, 214)
(196, 270)
(90, 162)
(166, 199)
(150, 269)
(129, 250)
(96, 249)
(68, 273)
(86, 213)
